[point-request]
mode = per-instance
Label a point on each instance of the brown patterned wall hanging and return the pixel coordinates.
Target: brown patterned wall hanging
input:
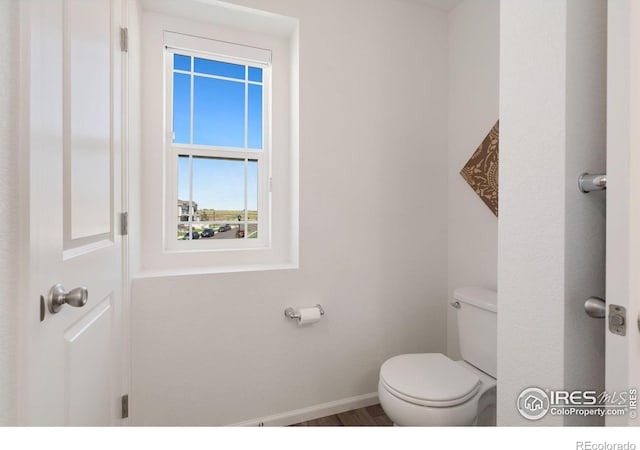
(481, 171)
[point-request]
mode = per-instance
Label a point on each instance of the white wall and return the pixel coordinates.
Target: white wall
(550, 237)
(216, 349)
(474, 60)
(9, 204)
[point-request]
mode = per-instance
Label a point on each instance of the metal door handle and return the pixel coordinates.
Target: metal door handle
(595, 307)
(58, 297)
(592, 182)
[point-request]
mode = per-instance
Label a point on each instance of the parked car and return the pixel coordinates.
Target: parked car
(194, 235)
(207, 232)
(224, 228)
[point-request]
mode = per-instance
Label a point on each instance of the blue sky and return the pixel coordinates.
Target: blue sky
(218, 183)
(218, 119)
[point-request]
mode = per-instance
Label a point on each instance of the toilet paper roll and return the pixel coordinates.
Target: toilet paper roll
(308, 315)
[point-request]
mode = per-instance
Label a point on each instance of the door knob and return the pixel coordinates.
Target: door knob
(595, 307)
(58, 297)
(592, 182)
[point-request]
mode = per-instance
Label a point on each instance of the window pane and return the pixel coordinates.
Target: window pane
(183, 188)
(219, 68)
(181, 62)
(218, 112)
(182, 108)
(252, 189)
(255, 116)
(218, 188)
(255, 74)
(231, 230)
(183, 199)
(252, 231)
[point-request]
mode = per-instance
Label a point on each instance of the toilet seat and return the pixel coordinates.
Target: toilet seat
(428, 379)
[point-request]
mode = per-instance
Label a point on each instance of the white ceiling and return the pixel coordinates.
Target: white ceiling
(224, 13)
(444, 5)
(200, 9)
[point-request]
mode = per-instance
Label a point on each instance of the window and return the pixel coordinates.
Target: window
(178, 191)
(217, 145)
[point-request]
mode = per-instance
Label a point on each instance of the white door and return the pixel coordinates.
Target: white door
(623, 203)
(71, 130)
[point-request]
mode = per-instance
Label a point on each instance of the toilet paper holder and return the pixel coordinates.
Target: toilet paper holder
(293, 314)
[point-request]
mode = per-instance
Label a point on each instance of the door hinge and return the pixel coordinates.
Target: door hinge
(124, 39)
(125, 406)
(124, 223)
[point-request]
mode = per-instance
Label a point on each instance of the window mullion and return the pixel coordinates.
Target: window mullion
(214, 77)
(190, 208)
(246, 197)
(217, 153)
(246, 107)
(192, 95)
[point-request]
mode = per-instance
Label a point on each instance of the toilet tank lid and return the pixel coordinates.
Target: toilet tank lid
(482, 298)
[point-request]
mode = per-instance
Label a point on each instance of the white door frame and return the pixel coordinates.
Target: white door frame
(9, 227)
(623, 198)
(126, 272)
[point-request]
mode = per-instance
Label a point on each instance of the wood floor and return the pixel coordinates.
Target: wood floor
(371, 416)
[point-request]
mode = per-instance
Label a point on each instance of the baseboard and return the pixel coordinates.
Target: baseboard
(312, 412)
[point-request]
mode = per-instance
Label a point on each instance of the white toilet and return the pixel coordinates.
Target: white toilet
(429, 389)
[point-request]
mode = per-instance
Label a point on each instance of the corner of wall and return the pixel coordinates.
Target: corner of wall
(473, 41)
(551, 237)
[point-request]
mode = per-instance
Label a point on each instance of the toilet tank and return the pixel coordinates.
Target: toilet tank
(478, 327)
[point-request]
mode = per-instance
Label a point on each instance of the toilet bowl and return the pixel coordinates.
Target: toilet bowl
(430, 389)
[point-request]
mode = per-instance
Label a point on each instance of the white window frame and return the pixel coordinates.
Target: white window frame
(234, 54)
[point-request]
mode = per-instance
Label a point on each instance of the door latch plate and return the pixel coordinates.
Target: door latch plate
(618, 320)
(125, 406)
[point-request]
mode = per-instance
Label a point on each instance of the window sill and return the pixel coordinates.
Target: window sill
(143, 274)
